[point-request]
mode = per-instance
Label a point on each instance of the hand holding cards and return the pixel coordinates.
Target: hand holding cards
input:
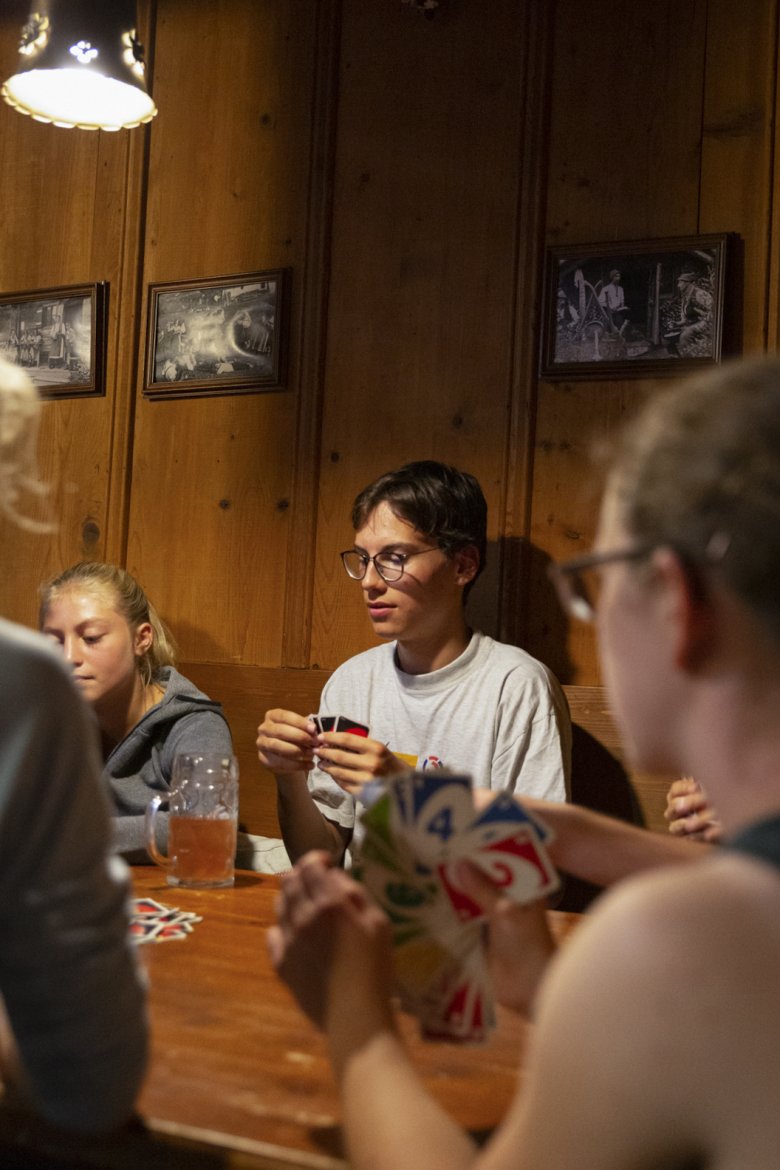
(339, 723)
(346, 752)
(416, 830)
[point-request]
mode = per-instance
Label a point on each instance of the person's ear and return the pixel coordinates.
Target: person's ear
(688, 611)
(466, 562)
(144, 636)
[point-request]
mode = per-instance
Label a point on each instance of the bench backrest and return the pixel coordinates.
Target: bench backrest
(600, 776)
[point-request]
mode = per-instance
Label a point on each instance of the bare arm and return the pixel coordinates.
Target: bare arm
(612, 1049)
(285, 744)
(603, 850)
(330, 937)
(302, 824)
(596, 1067)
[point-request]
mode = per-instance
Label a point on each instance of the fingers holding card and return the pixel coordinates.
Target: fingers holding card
(350, 757)
(340, 723)
(417, 829)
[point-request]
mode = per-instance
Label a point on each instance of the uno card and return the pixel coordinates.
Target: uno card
(379, 843)
(343, 723)
(504, 810)
(519, 865)
(507, 843)
(417, 826)
(152, 922)
(406, 901)
(340, 723)
(148, 906)
(442, 806)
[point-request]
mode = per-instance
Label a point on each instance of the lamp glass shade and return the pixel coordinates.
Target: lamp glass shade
(81, 65)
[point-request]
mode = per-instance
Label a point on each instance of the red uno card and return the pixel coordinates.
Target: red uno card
(344, 723)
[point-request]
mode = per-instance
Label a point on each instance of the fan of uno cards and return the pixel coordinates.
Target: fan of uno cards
(416, 829)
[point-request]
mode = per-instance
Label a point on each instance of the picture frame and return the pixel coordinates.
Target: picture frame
(219, 335)
(634, 309)
(58, 337)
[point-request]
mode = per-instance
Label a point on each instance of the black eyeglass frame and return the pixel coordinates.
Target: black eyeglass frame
(563, 573)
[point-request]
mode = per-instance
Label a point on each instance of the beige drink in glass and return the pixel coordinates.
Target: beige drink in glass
(203, 821)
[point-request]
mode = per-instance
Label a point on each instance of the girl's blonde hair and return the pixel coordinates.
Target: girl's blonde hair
(130, 601)
(20, 409)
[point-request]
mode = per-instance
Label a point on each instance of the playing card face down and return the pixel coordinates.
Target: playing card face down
(417, 826)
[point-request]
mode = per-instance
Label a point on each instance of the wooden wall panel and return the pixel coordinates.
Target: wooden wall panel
(422, 289)
(737, 141)
(409, 173)
(643, 80)
(625, 129)
(246, 692)
(229, 179)
(69, 216)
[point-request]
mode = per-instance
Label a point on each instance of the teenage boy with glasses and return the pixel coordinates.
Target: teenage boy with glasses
(435, 693)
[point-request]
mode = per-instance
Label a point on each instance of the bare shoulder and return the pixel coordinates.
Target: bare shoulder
(665, 1000)
(682, 927)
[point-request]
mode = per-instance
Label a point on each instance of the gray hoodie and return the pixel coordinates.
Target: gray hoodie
(185, 720)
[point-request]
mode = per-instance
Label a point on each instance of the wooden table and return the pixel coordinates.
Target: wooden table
(238, 1077)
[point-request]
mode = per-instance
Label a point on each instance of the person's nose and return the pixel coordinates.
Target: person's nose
(71, 649)
(372, 581)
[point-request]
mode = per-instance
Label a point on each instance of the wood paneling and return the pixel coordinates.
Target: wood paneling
(229, 181)
(660, 125)
(737, 144)
(423, 276)
(246, 693)
(602, 780)
(409, 172)
(589, 707)
(70, 216)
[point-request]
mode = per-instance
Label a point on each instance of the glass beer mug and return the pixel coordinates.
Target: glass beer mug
(202, 822)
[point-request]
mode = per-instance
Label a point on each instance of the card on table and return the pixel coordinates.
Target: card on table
(417, 826)
(151, 921)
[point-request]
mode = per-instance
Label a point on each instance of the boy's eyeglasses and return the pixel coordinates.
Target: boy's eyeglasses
(578, 582)
(389, 565)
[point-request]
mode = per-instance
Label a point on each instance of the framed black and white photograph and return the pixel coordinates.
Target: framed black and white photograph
(647, 307)
(57, 335)
(224, 335)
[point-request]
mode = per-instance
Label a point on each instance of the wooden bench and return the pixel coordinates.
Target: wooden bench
(246, 693)
(600, 776)
(598, 762)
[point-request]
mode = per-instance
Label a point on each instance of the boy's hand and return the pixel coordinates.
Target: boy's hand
(353, 760)
(286, 742)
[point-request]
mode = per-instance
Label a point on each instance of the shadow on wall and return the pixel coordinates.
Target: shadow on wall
(532, 616)
(193, 644)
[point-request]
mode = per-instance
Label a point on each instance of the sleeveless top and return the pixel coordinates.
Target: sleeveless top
(760, 840)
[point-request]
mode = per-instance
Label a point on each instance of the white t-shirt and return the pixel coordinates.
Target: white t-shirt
(68, 977)
(495, 713)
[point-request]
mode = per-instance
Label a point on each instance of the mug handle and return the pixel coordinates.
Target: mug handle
(149, 825)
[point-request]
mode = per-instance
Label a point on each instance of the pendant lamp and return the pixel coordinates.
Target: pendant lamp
(80, 64)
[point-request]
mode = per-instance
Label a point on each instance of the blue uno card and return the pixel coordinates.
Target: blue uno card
(442, 806)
